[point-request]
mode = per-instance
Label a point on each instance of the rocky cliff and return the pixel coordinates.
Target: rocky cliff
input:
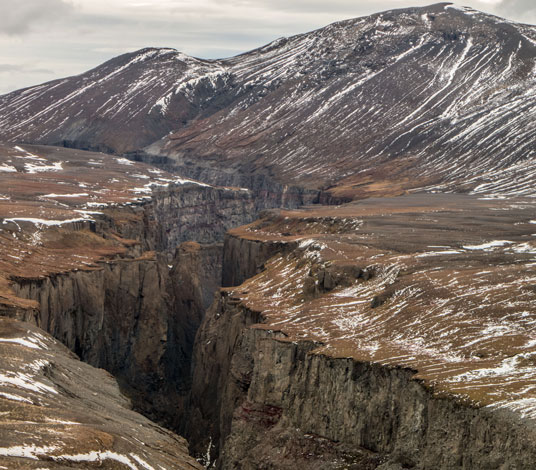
(117, 317)
(322, 360)
(281, 404)
(108, 270)
(204, 214)
(135, 315)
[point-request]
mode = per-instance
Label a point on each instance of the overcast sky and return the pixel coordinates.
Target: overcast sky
(41, 40)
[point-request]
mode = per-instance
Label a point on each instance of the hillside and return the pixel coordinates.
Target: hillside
(440, 97)
(318, 254)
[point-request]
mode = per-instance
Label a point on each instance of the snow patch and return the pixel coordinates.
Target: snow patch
(124, 161)
(35, 168)
(489, 245)
(52, 195)
(5, 168)
(44, 222)
(30, 451)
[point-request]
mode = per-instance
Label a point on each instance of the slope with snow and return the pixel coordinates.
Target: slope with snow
(124, 104)
(411, 96)
(439, 97)
(57, 412)
(384, 281)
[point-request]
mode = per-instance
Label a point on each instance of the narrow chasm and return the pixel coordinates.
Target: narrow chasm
(136, 314)
(200, 324)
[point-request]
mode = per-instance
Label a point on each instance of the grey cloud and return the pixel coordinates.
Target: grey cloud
(517, 6)
(522, 10)
(321, 6)
(19, 17)
(10, 68)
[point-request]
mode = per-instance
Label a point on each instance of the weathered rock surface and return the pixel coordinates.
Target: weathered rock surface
(92, 279)
(396, 354)
(243, 258)
(117, 317)
(57, 412)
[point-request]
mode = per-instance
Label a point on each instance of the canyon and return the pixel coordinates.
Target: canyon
(286, 257)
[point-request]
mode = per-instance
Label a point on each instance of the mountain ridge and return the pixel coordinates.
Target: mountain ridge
(424, 97)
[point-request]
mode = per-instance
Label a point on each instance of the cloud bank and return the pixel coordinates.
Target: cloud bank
(19, 17)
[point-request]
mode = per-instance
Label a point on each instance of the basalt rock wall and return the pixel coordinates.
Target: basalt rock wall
(243, 258)
(137, 315)
(275, 395)
(261, 400)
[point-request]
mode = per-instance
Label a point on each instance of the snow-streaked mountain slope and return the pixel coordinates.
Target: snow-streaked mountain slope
(403, 99)
(124, 104)
(424, 94)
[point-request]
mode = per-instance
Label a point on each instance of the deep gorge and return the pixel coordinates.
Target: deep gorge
(248, 398)
(136, 315)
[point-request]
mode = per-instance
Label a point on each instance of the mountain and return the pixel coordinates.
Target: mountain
(118, 106)
(419, 97)
(386, 333)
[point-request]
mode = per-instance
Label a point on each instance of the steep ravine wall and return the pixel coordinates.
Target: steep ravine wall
(260, 401)
(267, 190)
(244, 258)
(118, 317)
(196, 213)
(191, 212)
(136, 316)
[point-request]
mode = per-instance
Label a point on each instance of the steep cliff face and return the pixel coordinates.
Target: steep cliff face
(243, 258)
(361, 406)
(110, 272)
(135, 317)
(196, 213)
(356, 346)
(116, 317)
(197, 269)
(215, 394)
(115, 285)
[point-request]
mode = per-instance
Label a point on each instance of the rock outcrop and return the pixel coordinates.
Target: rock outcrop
(280, 404)
(116, 317)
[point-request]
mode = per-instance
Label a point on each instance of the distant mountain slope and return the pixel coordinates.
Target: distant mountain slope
(440, 96)
(124, 104)
(422, 95)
